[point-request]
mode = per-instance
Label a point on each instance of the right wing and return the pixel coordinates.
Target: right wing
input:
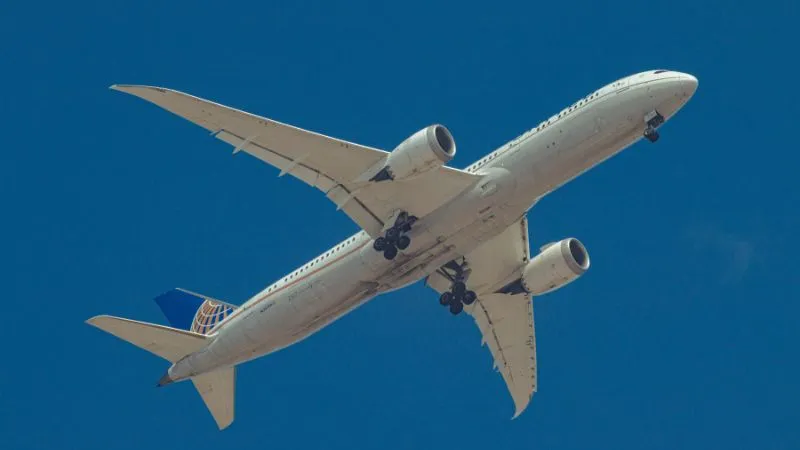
(331, 165)
(505, 321)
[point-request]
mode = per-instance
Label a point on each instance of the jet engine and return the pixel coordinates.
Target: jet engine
(556, 266)
(425, 150)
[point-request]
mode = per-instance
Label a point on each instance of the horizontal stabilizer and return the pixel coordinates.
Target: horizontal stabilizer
(169, 343)
(193, 312)
(217, 389)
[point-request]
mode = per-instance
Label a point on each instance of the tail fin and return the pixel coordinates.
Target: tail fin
(216, 388)
(194, 312)
(169, 343)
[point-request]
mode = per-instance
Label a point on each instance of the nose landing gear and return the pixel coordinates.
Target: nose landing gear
(458, 296)
(653, 120)
(395, 237)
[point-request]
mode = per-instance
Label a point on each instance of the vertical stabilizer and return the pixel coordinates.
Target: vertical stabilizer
(193, 312)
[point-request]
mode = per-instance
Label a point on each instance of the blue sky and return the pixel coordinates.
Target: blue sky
(683, 334)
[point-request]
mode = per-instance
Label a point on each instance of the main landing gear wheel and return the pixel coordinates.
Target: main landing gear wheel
(403, 242)
(395, 237)
(446, 298)
(458, 296)
(469, 298)
(390, 252)
(458, 301)
(456, 308)
(379, 244)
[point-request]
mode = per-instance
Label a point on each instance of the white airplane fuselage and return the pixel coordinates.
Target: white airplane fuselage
(514, 177)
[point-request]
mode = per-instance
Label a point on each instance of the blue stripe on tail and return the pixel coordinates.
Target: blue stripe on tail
(189, 311)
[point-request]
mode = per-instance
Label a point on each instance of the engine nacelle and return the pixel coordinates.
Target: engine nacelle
(427, 149)
(556, 266)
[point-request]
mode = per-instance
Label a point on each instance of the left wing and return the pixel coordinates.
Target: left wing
(505, 321)
(329, 164)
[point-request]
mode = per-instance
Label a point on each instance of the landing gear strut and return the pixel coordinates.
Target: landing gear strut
(458, 296)
(653, 120)
(395, 238)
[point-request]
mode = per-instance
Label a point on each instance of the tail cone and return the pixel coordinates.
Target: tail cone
(165, 380)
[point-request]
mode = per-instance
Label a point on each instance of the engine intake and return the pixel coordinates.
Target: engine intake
(427, 149)
(556, 266)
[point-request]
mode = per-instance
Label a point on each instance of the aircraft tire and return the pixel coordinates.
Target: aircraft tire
(469, 297)
(390, 252)
(403, 242)
(446, 298)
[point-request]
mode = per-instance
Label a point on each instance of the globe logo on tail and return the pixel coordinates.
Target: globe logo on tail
(209, 315)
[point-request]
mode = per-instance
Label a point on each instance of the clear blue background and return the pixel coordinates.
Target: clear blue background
(683, 335)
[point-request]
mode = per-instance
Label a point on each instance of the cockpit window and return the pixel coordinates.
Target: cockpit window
(660, 71)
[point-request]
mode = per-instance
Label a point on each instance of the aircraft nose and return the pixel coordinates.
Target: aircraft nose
(689, 84)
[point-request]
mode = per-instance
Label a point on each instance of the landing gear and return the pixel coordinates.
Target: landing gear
(395, 237)
(458, 296)
(456, 307)
(651, 134)
(403, 242)
(653, 120)
(446, 298)
(390, 252)
(469, 297)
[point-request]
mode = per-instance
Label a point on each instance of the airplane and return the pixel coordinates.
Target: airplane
(464, 231)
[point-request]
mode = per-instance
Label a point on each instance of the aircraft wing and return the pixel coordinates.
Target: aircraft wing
(505, 321)
(331, 165)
